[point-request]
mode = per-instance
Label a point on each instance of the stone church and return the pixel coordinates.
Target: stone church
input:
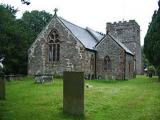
(64, 46)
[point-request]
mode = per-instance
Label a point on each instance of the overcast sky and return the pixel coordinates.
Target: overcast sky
(94, 13)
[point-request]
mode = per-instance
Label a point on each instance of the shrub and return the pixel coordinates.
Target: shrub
(151, 71)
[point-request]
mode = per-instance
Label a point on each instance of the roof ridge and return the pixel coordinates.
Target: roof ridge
(90, 32)
(80, 33)
(100, 33)
(72, 23)
(95, 31)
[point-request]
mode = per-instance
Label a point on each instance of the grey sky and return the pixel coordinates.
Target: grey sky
(95, 13)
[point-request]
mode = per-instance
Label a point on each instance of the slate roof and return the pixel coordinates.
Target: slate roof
(88, 37)
(98, 36)
(81, 34)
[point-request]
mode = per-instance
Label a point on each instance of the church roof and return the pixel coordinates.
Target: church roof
(88, 37)
(98, 36)
(84, 35)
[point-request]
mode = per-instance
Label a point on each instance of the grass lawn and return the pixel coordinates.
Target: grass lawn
(137, 99)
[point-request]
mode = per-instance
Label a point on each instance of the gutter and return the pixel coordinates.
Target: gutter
(91, 50)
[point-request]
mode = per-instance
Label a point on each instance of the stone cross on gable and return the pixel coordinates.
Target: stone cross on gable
(55, 11)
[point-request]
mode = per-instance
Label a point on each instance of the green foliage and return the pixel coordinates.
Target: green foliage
(151, 70)
(15, 39)
(16, 36)
(158, 72)
(145, 60)
(152, 40)
(36, 20)
(136, 99)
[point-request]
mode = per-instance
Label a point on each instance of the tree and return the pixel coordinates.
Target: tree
(152, 40)
(36, 20)
(151, 71)
(15, 38)
(145, 60)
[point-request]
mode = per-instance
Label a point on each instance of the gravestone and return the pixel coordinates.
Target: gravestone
(73, 93)
(43, 79)
(2, 88)
(2, 81)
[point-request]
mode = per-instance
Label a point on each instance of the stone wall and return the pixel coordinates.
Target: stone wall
(73, 55)
(117, 56)
(88, 64)
(129, 67)
(129, 34)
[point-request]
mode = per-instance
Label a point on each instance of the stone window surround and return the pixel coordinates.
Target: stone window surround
(107, 64)
(53, 45)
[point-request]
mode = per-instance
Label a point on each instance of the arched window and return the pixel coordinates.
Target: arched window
(107, 63)
(53, 46)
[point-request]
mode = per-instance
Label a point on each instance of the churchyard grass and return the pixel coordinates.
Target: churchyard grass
(136, 99)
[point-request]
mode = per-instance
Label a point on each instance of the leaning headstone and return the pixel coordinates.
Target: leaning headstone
(73, 93)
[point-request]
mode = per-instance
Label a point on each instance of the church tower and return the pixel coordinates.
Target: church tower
(129, 34)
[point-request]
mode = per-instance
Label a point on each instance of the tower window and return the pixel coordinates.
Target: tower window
(53, 46)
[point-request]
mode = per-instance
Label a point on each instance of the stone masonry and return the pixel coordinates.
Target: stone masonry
(73, 56)
(129, 34)
(98, 55)
(119, 60)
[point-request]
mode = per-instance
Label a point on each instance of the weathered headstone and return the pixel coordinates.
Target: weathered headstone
(73, 93)
(2, 81)
(43, 79)
(2, 88)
